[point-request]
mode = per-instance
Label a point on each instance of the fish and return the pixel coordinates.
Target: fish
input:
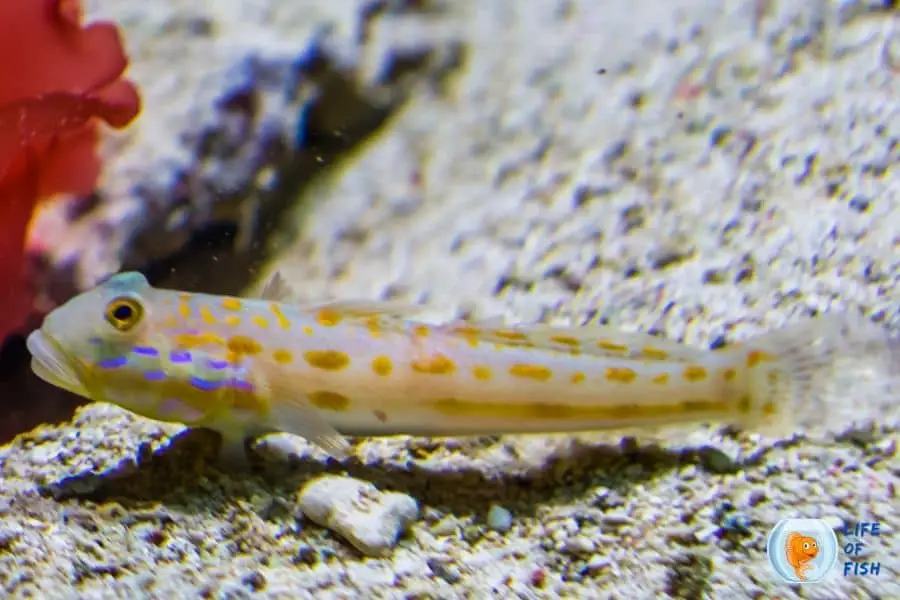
(247, 367)
(800, 550)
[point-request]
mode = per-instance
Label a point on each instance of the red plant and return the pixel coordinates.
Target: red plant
(58, 80)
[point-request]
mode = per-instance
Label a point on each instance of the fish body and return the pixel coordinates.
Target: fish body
(247, 367)
(800, 550)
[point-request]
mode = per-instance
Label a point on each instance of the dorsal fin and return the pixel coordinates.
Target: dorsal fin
(277, 289)
(388, 313)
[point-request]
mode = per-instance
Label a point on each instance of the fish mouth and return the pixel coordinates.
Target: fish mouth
(50, 362)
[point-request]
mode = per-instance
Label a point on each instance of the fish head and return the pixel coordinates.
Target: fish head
(809, 547)
(94, 330)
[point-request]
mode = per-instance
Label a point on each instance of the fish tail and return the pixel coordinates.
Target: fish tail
(804, 368)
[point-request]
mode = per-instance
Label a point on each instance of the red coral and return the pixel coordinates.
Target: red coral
(57, 80)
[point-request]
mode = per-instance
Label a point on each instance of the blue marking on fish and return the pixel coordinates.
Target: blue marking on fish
(145, 350)
(205, 384)
(180, 356)
(154, 375)
(113, 363)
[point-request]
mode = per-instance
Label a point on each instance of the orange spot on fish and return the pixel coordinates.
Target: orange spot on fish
(329, 400)
(620, 374)
(468, 333)
(654, 353)
(232, 304)
(694, 373)
(466, 330)
(577, 377)
(380, 415)
(260, 322)
(481, 372)
(660, 379)
(382, 365)
(754, 357)
(184, 309)
(328, 360)
(435, 365)
(283, 356)
(510, 335)
(243, 344)
(308, 330)
(612, 346)
(196, 340)
(536, 372)
(207, 316)
(373, 324)
(729, 374)
(421, 330)
(328, 317)
(276, 311)
(232, 320)
(566, 340)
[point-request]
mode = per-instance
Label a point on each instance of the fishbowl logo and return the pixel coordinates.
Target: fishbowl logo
(802, 550)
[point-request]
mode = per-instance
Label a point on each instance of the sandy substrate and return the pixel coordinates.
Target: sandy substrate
(666, 166)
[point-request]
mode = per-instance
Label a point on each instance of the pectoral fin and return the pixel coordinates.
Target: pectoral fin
(294, 414)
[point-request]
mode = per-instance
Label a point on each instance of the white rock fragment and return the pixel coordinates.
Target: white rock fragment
(707, 534)
(499, 518)
(370, 575)
(356, 510)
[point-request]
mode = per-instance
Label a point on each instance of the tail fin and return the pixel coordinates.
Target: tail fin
(802, 375)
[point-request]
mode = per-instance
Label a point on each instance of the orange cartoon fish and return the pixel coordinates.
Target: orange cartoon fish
(800, 550)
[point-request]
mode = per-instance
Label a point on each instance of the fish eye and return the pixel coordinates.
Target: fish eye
(806, 545)
(124, 313)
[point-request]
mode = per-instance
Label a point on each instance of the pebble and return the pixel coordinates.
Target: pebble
(445, 526)
(716, 460)
(370, 575)
(616, 518)
(369, 519)
(597, 563)
(579, 545)
(444, 569)
(499, 518)
(737, 522)
(706, 534)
